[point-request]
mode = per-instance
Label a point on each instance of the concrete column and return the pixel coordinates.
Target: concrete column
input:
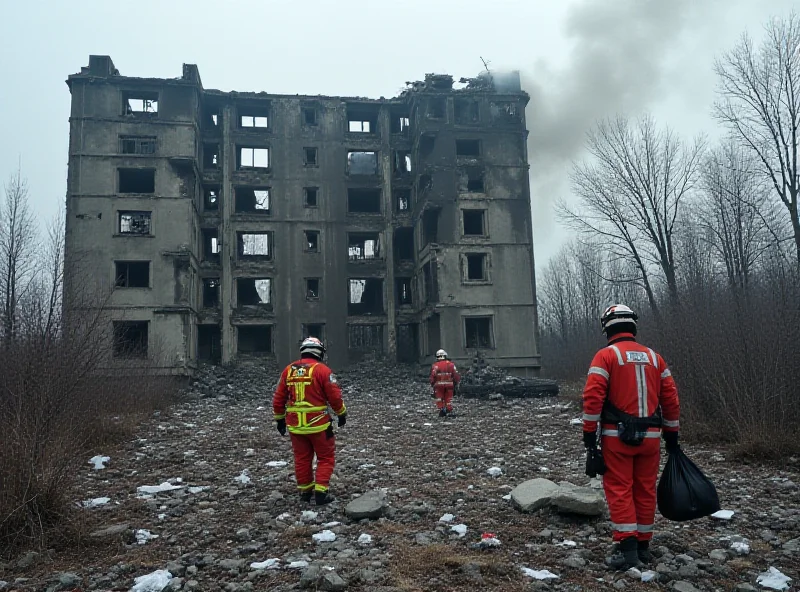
(227, 236)
(388, 232)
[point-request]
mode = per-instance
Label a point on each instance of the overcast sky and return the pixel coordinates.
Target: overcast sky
(581, 60)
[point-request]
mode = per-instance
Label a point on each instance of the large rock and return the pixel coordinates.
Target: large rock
(571, 499)
(370, 505)
(533, 495)
(115, 530)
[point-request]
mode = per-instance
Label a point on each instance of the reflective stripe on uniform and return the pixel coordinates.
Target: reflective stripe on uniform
(601, 371)
(641, 387)
(623, 527)
(666, 373)
(670, 423)
(653, 355)
(305, 487)
(615, 433)
(587, 417)
(644, 527)
(619, 354)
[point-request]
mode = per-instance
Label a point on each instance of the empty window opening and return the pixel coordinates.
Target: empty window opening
(470, 180)
(310, 197)
(407, 343)
(470, 148)
(137, 180)
(402, 162)
(210, 292)
(430, 226)
(504, 111)
(478, 332)
(252, 120)
(254, 158)
(211, 115)
(211, 244)
(474, 222)
(312, 288)
(310, 156)
(365, 296)
(134, 223)
(211, 198)
(254, 339)
(314, 330)
(209, 343)
(402, 199)
(404, 294)
(309, 116)
(362, 163)
(141, 104)
(365, 338)
(211, 156)
(252, 199)
(466, 111)
(404, 244)
(476, 266)
(132, 274)
(430, 283)
(137, 144)
(363, 246)
(257, 244)
(130, 339)
(400, 123)
(437, 108)
(253, 291)
(426, 144)
(365, 201)
(312, 241)
(362, 122)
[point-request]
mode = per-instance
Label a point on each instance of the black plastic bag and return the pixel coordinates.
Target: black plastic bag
(684, 493)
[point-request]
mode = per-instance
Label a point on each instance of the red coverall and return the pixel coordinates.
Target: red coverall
(444, 377)
(635, 380)
(302, 396)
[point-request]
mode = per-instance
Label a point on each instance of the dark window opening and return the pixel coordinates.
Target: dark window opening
(430, 283)
(365, 296)
(469, 148)
(253, 291)
(365, 338)
(426, 145)
(211, 244)
(254, 339)
(211, 292)
(211, 156)
(137, 144)
(407, 343)
(404, 244)
(314, 330)
(402, 199)
(137, 180)
(365, 201)
(474, 222)
(312, 288)
(132, 274)
(141, 104)
(504, 111)
(476, 266)
(404, 294)
(437, 108)
(255, 245)
(253, 158)
(466, 111)
(362, 121)
(312, 241)
(362, 163)
(130, 339)
(309, 116)
(209, 343)
(252, 199)
(254, 120)
(402, 163)
(310, 197)
(470, 180)
(211, 115)
(400, 123)
(362, 246)
(478, 332)
(310, 156)
(211, 198)
(430, 226)
(134, 223)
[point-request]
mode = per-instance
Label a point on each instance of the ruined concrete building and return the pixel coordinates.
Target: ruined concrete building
(233, 224)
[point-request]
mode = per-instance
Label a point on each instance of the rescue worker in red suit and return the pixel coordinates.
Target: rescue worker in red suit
(302, 395)
(444, 380)
(631, 395)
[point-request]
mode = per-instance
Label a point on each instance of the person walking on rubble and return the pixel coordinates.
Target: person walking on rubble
(444, 380)
(304, 391)
(630, 392)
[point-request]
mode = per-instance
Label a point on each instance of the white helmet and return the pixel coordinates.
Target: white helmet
(313, 346)
(615, 314)
(441, 355)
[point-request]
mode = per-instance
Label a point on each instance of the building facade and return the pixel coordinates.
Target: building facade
(231, 225)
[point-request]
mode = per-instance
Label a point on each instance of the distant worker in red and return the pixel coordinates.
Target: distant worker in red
(300, 402)
(630, 393)
(444, 380)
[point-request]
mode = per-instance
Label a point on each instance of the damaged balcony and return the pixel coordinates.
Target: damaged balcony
(365, 297)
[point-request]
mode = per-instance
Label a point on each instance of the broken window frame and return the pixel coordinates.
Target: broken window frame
(436, 108)
(306, 332)
(402, 200)
(360, 168)
(364, 195)
(475, 177)
(404, 292)
(122, 274)
(311, 241)
(270, 350)
(363, 121)
(123, 172)
(252, 151)
(401, 163)
(208, 284)
(484, 226)
(312, 294)
(365, 337)
(255, 118)
(212, 157)
(310, 156)
(137, 349)
(473, 114)
(466, 266)
(139, 145)
(307, 192)
(310, 122)
(505, 111)
(239, 198)
(357, 249)
(468, 144)
(240, 285)
(211, 198)
(401, 124)
(148, 101)
(407, 234)
(242, 245)
(212, 245)
(489, 343)
(134, 215)
(364, 283)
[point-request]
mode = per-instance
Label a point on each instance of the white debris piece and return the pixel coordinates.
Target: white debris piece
(99, 462)
(326, 536)
(198, 489)
(446, 518)
(277, 464)
(741, 547)
(273, 563)
(576, 421)
(308, 515)
(567, 543)
(773, 579)
(489, 541)
(459, 529)
(297, 564)
(723, 515)
(244, 478)
(544, 470)
(494, 471)
(165, 486)
(93, 503)
(649, 575)
(142, 536)
(366, 466)
(507, 497)
(365, 539)
(331, 524)
(539, 574)
(284, 516)
(152, 582)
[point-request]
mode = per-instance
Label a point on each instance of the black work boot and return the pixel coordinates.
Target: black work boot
(645, 556)
(305, 496)
(442, 412)
(323, 497)
(626, 555)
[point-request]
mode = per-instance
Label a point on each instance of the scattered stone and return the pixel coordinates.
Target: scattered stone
(115, 530)
(533, 495)
(370, 505)
(571, 499)
(28, 560)
(683, 586)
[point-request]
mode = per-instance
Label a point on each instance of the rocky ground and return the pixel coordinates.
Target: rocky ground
(229, 517)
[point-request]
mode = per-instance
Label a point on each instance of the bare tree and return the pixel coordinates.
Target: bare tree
(760, 102)
(631, 194)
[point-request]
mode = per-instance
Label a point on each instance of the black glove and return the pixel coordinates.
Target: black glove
(590, 439)
(671, 441)
(342, 419)
(281, 425)
(595, 465)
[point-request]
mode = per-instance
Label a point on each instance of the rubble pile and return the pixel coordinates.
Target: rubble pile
(483, 380)
(204, 498)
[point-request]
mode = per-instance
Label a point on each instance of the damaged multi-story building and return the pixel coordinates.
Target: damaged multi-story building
(233, 224)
